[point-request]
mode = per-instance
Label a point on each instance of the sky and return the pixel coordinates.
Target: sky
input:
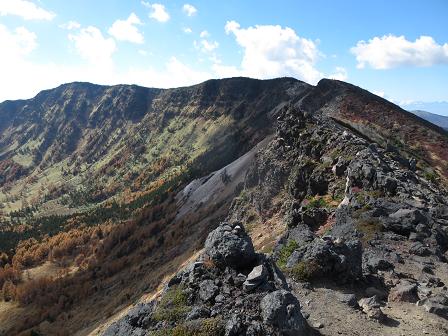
(396, 49)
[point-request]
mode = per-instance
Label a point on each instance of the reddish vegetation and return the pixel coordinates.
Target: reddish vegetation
(390, 122)
(110, 255)
(10, 171)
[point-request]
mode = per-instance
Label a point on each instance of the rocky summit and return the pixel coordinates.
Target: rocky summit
(229, 290)
(245, 208)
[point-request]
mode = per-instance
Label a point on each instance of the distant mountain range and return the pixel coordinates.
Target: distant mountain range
(436, 119)
(436, 107)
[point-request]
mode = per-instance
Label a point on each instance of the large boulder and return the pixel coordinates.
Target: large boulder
(133, 323)
(256, 277)
(404, 291)
(374, 262)
(372, 307)
(436, 304)
(337, 260)
(405, 221)
(229, 245)
(281, 311)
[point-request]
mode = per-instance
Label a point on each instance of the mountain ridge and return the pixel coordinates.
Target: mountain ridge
(93, 182)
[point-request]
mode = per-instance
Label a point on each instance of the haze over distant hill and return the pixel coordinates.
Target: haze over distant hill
(436, 119)
(438, 107)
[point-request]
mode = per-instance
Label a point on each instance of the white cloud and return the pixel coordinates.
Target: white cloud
(272, 51)
(404, 102)
(339, 74)
(24, 77)
(226, 70)
(93, 46)
(15, 45)
(187, 30)
(158, 11)
(231, 26)
(391, 51)
(207, 46)
(174, 74)
(379, 93)
(126, 30)
(25, 9)
(70, 25)
(190, 10)
(27, 77)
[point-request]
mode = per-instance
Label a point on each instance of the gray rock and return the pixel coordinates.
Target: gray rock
(123, 329)
(404, 292)
(419, 249)
(239, 279)
(220, 298)
(375, 263)
(416, 236)
(139, 315)
(342, 262)
(281, 310)
(426, 269)
(233, 326)
(371, 306)
(254, 329)
(317, 183)
(255, 278)
(437, 304)
(373, 291)
(207, 290)
(404, 221)
(198, 312)
(133, 323)
(348, 299)
(234, 249)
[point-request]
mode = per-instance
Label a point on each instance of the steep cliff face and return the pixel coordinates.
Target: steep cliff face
(334, 195)
(80, 118)
(82, 147)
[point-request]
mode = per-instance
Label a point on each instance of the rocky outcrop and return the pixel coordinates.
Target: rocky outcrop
(333, 260)
(134, 323)
(230, 290)
(355, 212)
(229, 245)
(281, 310)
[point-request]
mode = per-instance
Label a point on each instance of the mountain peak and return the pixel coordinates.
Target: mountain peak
(106, 191)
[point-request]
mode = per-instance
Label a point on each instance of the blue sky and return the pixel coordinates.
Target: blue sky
(397, 49)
